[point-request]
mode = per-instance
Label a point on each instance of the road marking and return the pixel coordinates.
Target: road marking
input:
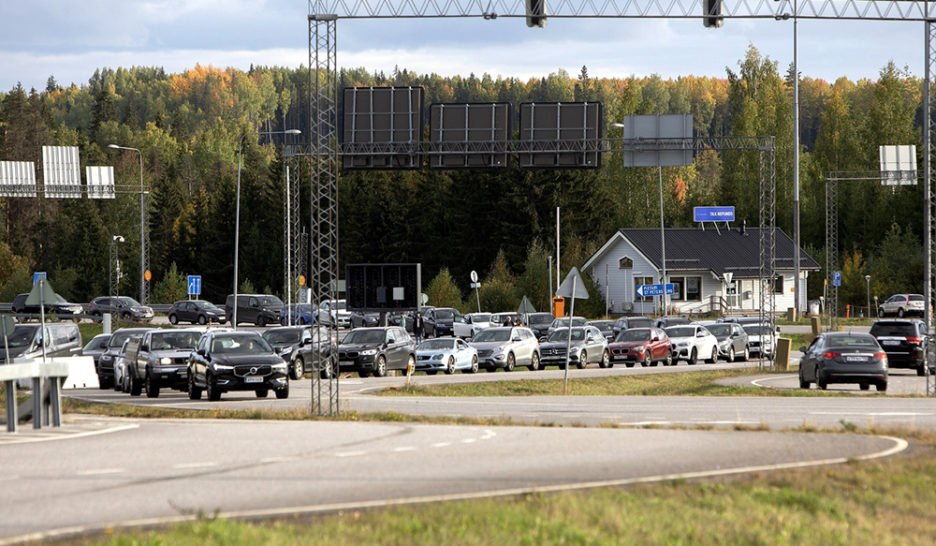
(403, 448)
(488, 434)
(695, 422)
(67, 436)
(101, 471)
(442, 444)
(206, 464)
(279, 459)
(875, 414)
(469, 441)
(350, 454)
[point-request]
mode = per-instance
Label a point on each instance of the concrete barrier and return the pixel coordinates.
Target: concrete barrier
(783, 354)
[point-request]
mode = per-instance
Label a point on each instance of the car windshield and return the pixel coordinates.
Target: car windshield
(541, 319)
(202, 304)
(304, 307)
(680, 331)
(94, 344)
(634, 334)
(282, 337)
(858, 342)
(719, 329)
(444, 315)
(578, 334)
(22, 336)
(901, 329)
(603, 326)
(365, 337)
(639, 323)
(480, 317)
(270, 300)
(493, 334)
(174, 340)
(757, 329)
(119, 337)
(130, 302)
(437, 344)
(564, 322)
(240, 344)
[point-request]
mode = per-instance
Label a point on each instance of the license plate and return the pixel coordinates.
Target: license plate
(891, 342)
(183, 371)
(855, 359)
(253, 379)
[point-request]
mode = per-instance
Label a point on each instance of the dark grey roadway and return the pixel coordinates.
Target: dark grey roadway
(162, 470)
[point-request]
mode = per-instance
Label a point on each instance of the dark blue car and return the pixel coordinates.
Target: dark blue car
(301, 314)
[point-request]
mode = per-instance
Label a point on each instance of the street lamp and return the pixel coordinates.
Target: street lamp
(240, 152)
(142, 225)
(662, 229)
(868, 284)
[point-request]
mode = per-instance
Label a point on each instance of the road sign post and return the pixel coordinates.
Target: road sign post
(477, 286)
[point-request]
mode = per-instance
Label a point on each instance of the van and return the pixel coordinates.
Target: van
(61, 339)
(260, 309)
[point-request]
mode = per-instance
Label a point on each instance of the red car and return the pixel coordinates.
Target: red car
(645, 345)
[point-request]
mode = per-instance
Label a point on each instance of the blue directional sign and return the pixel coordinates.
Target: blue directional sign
(713, 214)
(39, 275)
(194, 285)
(836, 278)
(647, 290)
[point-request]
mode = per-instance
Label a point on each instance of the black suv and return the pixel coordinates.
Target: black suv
(105, 365)
(260, 309)
(199, 311)
(626, 323)
(376, 350)
(440, 322)
(298, 345)
(904, 341)
(235, 361)
(124, 307)
(162, 361)
(62, 310)
(539, 323)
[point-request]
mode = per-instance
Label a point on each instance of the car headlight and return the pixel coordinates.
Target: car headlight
(223, 367)
(439, 356)
(279, 367)
(369, 352)
(165, 361)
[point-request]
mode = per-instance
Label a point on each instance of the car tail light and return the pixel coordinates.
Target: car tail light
(914, 340)
(831, 354)
(882, 356)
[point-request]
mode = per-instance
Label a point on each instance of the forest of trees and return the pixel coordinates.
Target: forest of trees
(498, 222)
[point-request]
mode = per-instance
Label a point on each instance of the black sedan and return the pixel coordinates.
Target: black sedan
(843, 357)
(235, 361)
(196, 311)
(376, 350)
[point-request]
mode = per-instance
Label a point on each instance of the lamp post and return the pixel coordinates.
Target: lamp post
(240, 153)
(868, 285)
(142, 224)
(662, 230)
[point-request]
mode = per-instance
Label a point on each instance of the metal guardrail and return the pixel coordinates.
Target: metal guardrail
(47, 391)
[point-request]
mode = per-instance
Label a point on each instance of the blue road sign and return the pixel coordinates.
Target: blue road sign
(39, 275)
(647, 290)
(194, 284)
(836, 278)
(713, 214)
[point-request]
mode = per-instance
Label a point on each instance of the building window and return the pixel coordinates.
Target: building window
(639, 281)
(778, 285)
(678, 284)
(625, 263)
(693, 288)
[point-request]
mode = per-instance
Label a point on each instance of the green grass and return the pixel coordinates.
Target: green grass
(842, 321)
(664, 384)
(891, 502)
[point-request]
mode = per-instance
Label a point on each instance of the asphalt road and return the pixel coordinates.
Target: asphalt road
(164, 470)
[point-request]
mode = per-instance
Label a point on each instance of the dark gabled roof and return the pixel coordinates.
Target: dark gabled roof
(719, 251)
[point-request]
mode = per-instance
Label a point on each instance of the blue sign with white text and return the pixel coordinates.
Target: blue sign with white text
(647, 290)
(194, 285)
(39, 275)
(713, 214)
(836, 278)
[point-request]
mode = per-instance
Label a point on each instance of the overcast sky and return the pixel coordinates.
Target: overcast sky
(70, 39)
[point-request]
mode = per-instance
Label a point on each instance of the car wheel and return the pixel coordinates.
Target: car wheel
(282, 393)
(125, 315)
(864, 386)
(97, 317)
(135, 387)
(583, 360)
(746, 354)
(261, 321)
(605, 359)
(433, 372)
(450, 368)
(648, 360)
(901, 313)
(629, 364)
(262, 393)
(881, 386)
(364, 374)
(173, 319)
(380, 366)
(921, 370)
(194, 393)
(152, 389)
(202, 320)
(880, 313)
(535, 362)
(474, 365)
(298, 369)
(823, 384)
(125, 384)
(212, 388)
(693, 357)
(511, 362)
(714, 358)
(668, 361)
(803, 384)
(731, 355)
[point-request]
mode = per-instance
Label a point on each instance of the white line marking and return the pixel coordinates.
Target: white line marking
(403, 448)
(442, 444)
(206, 464)
(351, 454)
(279, 459)
(488, 434)
(469, 441)
(67, 436)
(873, 413)
(101, 471)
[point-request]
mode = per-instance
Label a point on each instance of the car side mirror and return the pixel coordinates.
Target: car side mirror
(103, 345)
(778, 329)
(802, 349)
(655, 338)
(390, 340)
(278, 350)
(144, 347)
(200, 352)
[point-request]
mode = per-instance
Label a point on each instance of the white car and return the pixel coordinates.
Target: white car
(692, 342)
(761, 339)
(478, 322)
(446, 354)
(334, 312)
(507, 347)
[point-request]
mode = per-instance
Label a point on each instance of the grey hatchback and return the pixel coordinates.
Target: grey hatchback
(843, 357)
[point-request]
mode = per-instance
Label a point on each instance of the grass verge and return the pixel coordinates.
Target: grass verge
(891, 501)
(664, 384)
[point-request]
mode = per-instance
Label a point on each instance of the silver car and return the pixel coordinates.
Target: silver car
(587, 345)
(507, 347)
(902, 305)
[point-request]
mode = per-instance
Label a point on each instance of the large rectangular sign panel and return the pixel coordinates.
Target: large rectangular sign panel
(898, 165)
(469, 135)
(713, 214)
(17, 179)
(382, 128)
(100, 182)
(383, 287)
(675, 153)
(61, 172)
(560, 134)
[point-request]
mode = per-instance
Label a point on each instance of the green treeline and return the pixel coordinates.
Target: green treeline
(498, 222)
